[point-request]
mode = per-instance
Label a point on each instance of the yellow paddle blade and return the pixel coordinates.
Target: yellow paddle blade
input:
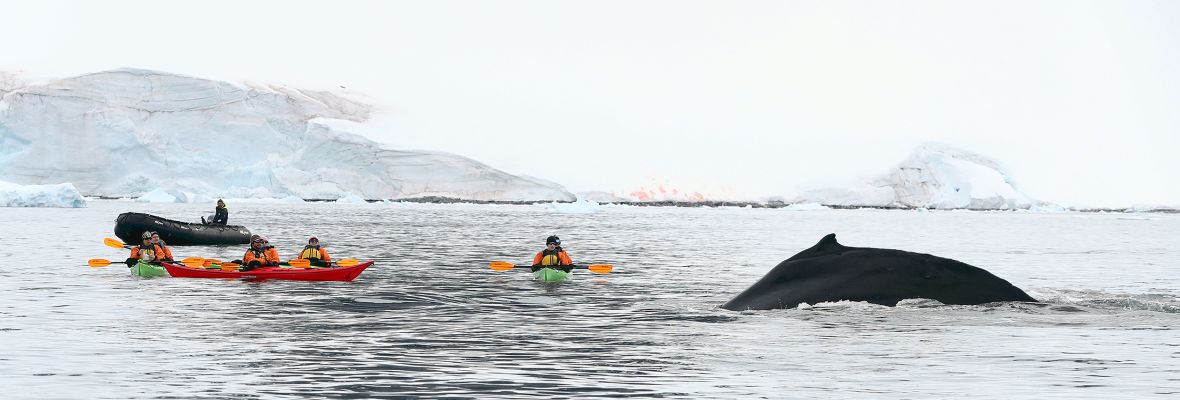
(300, 263)
(210, 261)
(600, 268)
(98, 263)
(348, 262)
(501, 266)
(112, 242)
(195, 262)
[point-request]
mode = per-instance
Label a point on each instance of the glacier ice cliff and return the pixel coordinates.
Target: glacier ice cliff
(935, 176)
(128, 132)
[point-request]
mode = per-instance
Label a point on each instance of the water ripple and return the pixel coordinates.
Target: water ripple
(431, 320)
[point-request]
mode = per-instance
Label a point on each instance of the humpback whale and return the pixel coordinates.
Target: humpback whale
(830, 272)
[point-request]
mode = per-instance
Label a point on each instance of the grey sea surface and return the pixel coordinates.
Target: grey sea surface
(430, 319)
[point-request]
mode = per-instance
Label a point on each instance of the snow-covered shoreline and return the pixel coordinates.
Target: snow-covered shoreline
(586, 206)
(131, 132)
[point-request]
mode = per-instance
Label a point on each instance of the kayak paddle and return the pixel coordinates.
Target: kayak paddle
(305, 263)
(194, 262)
(116, 243)
(595, 268)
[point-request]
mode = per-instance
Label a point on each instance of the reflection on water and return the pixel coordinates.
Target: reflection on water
(430, 319)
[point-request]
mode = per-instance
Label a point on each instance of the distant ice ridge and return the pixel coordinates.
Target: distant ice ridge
(162, 196)
(601, 197)
(61, 195)
(806, 207)
(130, 132)
(352, 199)
(582, 206)
(935, 176)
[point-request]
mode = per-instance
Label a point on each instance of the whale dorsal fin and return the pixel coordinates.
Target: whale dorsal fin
(826, 245)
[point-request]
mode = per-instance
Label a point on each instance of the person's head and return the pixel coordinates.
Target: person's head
(155, 237)
(256, 241)
(552, 242)
(147, 237)
(220, 203)
(313, 241)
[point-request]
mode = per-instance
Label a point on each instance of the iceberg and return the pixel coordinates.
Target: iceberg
(582, 206)
(292, 199)
(935, 176)
(129, 132)
(351, 198)
(62, 195)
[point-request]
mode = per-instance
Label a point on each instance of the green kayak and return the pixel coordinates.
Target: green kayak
(551, 275)
(148, 270)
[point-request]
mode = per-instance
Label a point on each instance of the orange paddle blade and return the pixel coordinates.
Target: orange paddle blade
(501, 266)
(600, 268)
(210, 261)
(98, 262)
(112, 242)
(348, 262)
(300, 263)
(229, 266)
(195, 262)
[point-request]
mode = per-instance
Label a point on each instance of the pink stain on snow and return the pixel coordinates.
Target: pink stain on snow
(665, 192)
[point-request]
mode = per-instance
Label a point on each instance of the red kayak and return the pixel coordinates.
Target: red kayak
(290, 274)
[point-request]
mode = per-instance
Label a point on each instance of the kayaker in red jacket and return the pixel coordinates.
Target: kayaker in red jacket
(259, 254)
(316, 253)
(163, 253)
(553, 255)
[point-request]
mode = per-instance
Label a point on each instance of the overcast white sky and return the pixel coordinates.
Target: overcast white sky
(1080, 99)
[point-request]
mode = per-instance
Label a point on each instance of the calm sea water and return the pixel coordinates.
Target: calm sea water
(431, 320)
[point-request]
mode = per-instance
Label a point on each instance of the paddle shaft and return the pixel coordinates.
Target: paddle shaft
(595, 268)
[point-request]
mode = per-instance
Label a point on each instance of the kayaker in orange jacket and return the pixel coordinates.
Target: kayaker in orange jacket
(316, 253)
(163, 253)
(260, 254)
(146, 251)
(553, 255)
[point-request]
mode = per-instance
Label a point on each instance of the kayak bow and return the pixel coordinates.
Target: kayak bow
(148, 270)
(551, 275)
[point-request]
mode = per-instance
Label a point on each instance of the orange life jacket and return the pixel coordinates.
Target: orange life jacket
(554, 257)
(162, 251)
(310, 252)
(147, 253)
(264, 255)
